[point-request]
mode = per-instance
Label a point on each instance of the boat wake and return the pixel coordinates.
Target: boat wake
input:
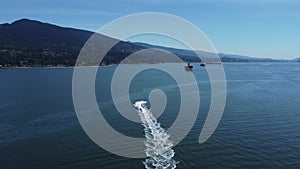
(159, 150)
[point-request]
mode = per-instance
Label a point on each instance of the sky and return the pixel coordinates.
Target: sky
(259, 28)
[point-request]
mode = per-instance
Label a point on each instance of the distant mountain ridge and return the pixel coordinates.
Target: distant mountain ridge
(223, 57)
(32, 43)
(297, 59)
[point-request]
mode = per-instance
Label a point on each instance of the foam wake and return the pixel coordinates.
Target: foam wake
(159, 150)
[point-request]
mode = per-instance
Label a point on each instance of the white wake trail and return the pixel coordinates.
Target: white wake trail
(159, 150)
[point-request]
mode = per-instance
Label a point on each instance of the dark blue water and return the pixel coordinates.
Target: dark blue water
(260, 127)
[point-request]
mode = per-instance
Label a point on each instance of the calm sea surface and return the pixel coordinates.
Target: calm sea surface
(260, 127)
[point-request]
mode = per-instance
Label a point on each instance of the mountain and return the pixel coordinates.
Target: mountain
(297, 59)
(32, 43)
(26, 33)
(224, 57)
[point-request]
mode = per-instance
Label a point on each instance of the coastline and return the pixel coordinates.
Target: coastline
(50, 67)
(212, 63)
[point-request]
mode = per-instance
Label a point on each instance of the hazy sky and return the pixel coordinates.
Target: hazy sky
(262, 28)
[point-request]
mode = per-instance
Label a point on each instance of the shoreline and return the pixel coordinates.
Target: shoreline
(50, 67)
(56, 67)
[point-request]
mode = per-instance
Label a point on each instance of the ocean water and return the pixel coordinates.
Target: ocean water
(260, 127)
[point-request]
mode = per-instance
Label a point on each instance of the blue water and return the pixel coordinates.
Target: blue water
(260, 127)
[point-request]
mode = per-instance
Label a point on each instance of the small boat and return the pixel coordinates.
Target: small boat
(202, 64)
(189, 67)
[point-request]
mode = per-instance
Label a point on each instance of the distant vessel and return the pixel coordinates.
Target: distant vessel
(189, 67)
(202, 64)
